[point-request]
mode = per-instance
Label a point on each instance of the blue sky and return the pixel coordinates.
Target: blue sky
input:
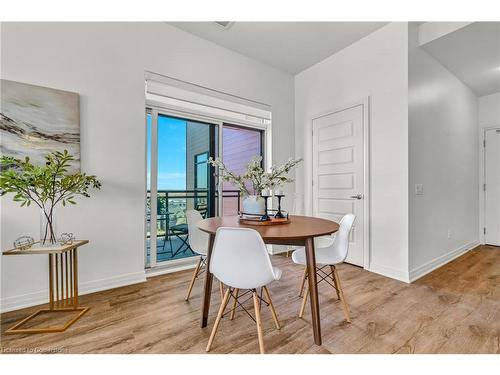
(171, 153)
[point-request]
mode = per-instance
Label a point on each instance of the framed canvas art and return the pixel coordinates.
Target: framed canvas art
(36, 120)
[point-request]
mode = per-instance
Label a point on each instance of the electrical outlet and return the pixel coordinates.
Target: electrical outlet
(449, 233)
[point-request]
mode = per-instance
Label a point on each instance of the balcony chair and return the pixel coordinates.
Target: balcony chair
(160, 218)
(329, 256)
(240, 260)
(181, 232)
(198, 243)
(161, 240)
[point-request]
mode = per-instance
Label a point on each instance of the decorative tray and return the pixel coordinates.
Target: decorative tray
(269, 219)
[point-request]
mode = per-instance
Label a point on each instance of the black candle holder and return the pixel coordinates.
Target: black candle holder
(265, 217)
(279, 214)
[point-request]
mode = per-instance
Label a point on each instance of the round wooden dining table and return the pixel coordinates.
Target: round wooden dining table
(300, 231)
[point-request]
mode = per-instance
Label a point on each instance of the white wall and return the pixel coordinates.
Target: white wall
(105, 63)
(444, 157)
(489, 110)
(376, 66)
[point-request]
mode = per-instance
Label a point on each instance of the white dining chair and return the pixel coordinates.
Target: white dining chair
(323, 241)
(329, 256)
(319, 242)
(240, 260)
(198, 241)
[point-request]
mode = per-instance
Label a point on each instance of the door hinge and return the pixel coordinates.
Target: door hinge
(484, 143)
(484, 230)
(484, 187)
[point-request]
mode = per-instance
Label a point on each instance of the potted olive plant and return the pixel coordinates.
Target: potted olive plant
(255, 181)
(46, 186)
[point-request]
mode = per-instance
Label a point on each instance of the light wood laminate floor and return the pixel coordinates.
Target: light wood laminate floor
(455, 309)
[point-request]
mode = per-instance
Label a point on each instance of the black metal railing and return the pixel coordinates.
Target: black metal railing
(173, 204)
(171, 223)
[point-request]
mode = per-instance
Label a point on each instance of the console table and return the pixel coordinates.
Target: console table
(63, 284)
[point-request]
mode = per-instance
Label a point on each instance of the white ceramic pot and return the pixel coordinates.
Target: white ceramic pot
(254, 204)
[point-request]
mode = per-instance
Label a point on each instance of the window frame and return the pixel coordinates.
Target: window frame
(156, 108)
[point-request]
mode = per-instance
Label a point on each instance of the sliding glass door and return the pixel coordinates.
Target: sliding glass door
(179, 178)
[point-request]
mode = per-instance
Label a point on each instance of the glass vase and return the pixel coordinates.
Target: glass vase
(48, 228)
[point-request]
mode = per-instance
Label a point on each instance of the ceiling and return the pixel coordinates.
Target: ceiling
(472, 53)
(288, 46)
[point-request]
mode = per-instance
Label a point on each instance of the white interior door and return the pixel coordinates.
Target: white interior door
(492, 193)
(338, 172)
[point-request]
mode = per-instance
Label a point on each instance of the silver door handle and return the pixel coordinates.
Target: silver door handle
(357, 196)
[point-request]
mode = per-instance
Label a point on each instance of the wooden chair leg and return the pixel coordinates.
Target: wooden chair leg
(193, 278)
(271, 306)
(223, 305)
(233, 311)
(260, 299)
(341, 295)
(332, 268)
(221, 288)
(304, 301)
(303, 282)
(258, 321)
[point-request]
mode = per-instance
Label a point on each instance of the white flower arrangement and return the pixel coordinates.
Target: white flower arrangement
(260, 179)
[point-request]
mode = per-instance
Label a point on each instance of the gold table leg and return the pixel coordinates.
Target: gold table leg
(63, 293)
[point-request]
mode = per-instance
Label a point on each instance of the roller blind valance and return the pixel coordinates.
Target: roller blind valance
(185, 97)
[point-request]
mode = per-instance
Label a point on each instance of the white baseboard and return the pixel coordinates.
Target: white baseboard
(389, 272)
(280, 249)
(41, 297)
(440, 261)
(172, 266)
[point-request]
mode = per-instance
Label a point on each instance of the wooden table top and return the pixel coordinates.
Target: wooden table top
(37, 249)
(299, 228)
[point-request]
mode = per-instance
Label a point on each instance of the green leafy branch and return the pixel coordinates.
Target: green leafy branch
(47, 185)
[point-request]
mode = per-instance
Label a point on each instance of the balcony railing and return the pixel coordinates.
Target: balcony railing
(171, 224)
(176, 202)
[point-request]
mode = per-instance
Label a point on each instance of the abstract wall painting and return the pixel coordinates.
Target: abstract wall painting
(36, 120)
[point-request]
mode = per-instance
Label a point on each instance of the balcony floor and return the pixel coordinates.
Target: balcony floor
(165, 253)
